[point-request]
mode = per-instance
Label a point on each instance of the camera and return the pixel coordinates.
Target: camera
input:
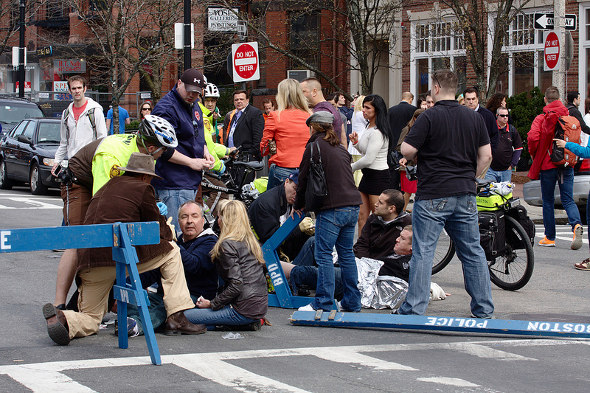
(412, 172)
(63, 175)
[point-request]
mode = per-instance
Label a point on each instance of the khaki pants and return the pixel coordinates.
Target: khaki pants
(97, 282)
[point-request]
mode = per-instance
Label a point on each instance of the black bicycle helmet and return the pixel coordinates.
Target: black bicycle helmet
(157, 131)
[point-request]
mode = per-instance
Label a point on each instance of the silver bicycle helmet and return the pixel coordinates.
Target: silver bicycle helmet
(211, 91)
(157, 131)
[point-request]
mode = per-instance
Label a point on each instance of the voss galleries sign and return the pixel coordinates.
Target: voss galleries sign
(222, 19)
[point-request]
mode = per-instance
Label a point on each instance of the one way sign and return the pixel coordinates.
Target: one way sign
(547, 21)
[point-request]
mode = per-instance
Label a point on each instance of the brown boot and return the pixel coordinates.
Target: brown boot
(57, 324)
(177, 324)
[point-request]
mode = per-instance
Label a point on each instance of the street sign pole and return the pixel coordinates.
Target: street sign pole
(21, 50)
(559, 75)
(187, 34)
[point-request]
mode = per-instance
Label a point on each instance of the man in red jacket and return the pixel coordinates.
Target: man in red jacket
(539, 140)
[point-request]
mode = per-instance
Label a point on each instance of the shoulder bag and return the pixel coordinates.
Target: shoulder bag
(316, 181)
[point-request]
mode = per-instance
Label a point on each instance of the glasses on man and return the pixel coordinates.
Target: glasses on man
(502, 115)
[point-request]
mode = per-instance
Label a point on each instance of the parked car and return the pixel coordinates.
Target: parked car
(532, 190)
(27, 152)
(13, 110)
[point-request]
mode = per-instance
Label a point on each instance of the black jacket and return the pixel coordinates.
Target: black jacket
(266, 211)
(575, 112)
(336, 160)
(377, 239)
(398, 116)
(245, 285)
(490, 119)
(248, 132)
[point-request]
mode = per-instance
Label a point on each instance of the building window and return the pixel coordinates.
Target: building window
(304, 37)
(437, 45)
(523, 46)
(438, 37)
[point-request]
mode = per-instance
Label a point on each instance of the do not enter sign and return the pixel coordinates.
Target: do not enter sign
(245, 62)
(552, 49)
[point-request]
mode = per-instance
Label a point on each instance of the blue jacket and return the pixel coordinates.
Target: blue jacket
(200, 272)
(580, 151)
(187, 120)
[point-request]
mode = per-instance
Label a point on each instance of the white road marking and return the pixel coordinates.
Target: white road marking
(48, 377)
(29, 203)
(449, 381)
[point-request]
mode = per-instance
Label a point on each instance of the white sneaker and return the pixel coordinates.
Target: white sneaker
(306, 308)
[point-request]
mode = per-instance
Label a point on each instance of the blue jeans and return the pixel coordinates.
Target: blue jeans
(308, 276)
(498, 176)
(173, 199)
(565, 179)
(225, 316)
(277, 175)
(335, 227)
(306, 255)
(458, 215)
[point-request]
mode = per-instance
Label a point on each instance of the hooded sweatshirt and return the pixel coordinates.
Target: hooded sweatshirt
(541, 135)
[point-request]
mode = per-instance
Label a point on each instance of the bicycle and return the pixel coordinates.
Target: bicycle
(507, 244)
(226, 184)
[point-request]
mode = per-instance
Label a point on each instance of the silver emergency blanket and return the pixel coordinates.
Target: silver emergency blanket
(379, 292)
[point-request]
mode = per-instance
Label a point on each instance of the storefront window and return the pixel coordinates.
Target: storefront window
(422, 82)
(524, 71)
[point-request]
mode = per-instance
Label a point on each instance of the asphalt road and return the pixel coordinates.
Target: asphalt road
(286, 358)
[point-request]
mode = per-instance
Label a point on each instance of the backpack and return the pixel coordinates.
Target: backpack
(91, 117)
(567, 128)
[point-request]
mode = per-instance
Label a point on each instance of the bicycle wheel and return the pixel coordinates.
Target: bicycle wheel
(445, 250)
(514, 269)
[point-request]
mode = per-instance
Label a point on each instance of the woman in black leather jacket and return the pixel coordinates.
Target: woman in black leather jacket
(238, 258)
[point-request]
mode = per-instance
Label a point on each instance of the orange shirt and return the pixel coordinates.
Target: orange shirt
(289, 131)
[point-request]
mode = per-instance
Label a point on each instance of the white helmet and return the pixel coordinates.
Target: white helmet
(211, 91)
(153, 129)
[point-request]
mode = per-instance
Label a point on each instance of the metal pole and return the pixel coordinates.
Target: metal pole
(187, 34)
(559, 23)
(21, 51)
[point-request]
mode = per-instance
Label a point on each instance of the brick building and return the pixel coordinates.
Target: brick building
(53, 30)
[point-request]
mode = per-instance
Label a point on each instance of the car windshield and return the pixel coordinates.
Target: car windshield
(48, 132)
(13, 113)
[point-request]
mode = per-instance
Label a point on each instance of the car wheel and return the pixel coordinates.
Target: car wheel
(37, 186)
(5, 183)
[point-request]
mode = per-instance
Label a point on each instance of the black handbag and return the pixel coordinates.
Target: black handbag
(316, 182)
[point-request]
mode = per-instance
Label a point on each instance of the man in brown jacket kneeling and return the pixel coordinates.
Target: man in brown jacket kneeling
(127, 198)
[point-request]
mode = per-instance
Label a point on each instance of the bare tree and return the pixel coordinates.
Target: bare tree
(472, 16)
(368, 22)
(127, 35)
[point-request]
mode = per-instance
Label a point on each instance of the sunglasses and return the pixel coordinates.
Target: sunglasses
(146, 109)
(502, 115)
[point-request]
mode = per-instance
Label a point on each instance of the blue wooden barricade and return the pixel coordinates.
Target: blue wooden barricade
(122, 237)
(282, 297)
(436, 323)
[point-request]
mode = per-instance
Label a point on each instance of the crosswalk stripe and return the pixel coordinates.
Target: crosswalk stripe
(48, 377)
(449, 381)
(27, 203)
(226, 374)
